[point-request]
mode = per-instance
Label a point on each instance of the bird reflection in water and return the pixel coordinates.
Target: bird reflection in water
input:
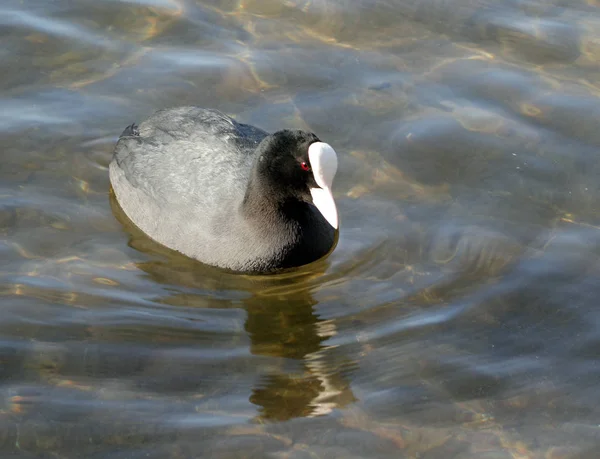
(288, 327)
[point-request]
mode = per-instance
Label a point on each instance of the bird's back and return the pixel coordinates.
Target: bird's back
(181, 177)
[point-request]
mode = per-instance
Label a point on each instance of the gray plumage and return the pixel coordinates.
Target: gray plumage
(189, 178)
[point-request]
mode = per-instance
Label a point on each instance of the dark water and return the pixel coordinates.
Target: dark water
(459, 316)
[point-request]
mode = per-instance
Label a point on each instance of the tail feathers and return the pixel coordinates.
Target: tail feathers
(131, 130)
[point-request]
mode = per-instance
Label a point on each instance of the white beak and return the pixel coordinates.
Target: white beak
(323, 161)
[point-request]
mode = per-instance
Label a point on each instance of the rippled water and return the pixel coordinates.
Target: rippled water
(458, 316)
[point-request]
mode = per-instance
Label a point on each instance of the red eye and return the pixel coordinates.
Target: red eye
(305, 166)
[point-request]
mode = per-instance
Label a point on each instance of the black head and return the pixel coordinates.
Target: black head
(283, 163)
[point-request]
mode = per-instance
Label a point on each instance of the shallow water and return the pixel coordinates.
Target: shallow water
(458, 316)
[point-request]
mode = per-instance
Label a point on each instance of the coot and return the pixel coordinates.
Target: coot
(225, 193)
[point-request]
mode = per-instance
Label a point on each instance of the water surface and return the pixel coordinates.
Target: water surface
(458, 316)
